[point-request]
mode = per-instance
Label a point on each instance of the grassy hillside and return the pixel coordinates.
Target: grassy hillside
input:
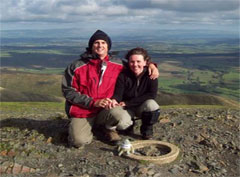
(32, 107)
(203, 66)
(56, 109)
(165, 99)
(21, 86)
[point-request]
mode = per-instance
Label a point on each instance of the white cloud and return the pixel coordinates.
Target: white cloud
(121, 11)
(116, 10)
(184, 5)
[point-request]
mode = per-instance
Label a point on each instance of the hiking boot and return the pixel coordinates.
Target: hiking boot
(146, 131)
(148, 120)
(112, 135)
(147, 137)
(129, 130)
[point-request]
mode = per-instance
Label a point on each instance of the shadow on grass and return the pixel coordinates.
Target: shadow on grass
(56, 129)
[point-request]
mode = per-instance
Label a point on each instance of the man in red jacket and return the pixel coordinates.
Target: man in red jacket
(88, 84)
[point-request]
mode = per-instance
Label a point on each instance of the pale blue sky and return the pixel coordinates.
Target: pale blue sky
(120, 14)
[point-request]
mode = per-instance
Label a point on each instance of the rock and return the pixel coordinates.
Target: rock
(198, 167)
(157, 175)
(208, 142)
(15, 168)
(60, 165)
(174, 170)
(165, 120)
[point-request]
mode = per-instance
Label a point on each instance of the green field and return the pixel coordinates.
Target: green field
(201, 73)
(42, 70)
(200, 66)
(32, 107)
(39, 107)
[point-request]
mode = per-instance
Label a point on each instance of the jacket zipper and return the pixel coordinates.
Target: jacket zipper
(136, 91)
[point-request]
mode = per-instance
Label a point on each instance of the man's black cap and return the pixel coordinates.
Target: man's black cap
(99, 35)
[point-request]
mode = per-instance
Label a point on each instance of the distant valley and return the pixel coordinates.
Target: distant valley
(204, 66)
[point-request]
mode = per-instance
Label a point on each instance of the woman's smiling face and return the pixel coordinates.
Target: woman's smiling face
(136, 64)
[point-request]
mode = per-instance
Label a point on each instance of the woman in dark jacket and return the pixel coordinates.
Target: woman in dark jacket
(135, 93)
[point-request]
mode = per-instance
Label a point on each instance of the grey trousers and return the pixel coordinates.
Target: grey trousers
(80, 129)
(121, 118)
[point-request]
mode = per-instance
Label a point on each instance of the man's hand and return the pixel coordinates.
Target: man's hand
(102, 103)
(113, 104)
(153, 71)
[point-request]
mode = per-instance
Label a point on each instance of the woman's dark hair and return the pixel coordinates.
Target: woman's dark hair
(138, 51)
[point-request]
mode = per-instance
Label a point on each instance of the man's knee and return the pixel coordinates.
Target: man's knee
(123, 117)
(149, 105)
(124, 124)
(117, 112)
(80, 132)
(79, 141)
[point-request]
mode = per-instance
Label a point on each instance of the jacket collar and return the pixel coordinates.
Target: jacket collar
(91, 57)
(133, 75)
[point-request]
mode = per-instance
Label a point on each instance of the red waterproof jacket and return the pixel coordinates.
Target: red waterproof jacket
(87, 80)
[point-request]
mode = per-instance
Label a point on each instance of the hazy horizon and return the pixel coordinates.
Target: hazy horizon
(144, 35)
